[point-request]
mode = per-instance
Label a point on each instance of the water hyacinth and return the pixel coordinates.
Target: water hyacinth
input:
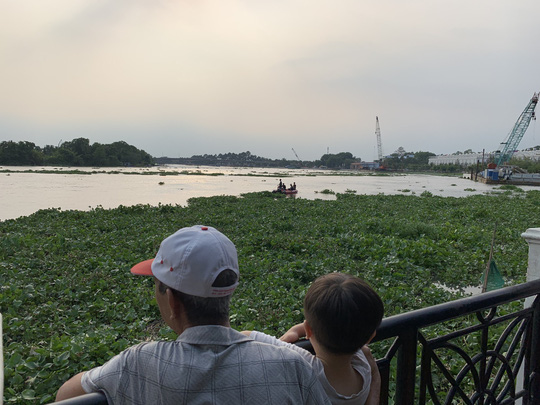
(69, 301)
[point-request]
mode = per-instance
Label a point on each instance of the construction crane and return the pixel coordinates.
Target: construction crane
(379, 144)
(296, 155)
(509, 146)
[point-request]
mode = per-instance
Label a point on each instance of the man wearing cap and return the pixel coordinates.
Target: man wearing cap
(195, 273)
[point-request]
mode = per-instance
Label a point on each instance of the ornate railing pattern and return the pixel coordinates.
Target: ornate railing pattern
(425, 367)
(422, 366)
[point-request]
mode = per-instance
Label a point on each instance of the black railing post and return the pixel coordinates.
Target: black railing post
(406, 367)
(534, 391)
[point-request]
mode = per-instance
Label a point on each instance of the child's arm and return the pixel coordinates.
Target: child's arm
(264, 338)
(294, 334)
(375, 387)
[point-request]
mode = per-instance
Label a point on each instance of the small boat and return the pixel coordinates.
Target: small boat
(285, 191)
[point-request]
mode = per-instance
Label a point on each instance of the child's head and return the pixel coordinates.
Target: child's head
(343, 312)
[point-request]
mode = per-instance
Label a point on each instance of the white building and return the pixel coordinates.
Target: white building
(469, 159)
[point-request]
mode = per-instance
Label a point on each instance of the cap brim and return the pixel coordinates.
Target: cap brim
(143, 268)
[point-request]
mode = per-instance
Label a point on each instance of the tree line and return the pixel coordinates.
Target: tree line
(244, 159)
(340, 160)
(77, 152)
(399, 160)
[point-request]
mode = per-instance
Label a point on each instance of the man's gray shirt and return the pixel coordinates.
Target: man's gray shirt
(207, 365)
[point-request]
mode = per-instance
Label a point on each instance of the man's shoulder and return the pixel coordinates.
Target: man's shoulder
(248, 351)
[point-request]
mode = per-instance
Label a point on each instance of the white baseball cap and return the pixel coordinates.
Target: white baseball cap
(190, 260)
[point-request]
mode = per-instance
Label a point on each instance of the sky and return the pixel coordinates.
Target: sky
(179, 78)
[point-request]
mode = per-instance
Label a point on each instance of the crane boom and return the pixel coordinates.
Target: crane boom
(379, 143)
(509, 146)
(296, 155)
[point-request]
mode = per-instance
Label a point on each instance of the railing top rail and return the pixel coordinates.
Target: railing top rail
(95, 398)
(443, 312)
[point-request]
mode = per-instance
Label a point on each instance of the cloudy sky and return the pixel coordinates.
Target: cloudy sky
(185, 77)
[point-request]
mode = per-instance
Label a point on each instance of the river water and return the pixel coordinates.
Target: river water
(23, 193)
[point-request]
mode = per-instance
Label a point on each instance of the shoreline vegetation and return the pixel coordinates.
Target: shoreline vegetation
(70, 303)
(80, 153)
(198, 172)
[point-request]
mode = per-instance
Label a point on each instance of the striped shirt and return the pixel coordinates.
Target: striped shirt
(207, 365)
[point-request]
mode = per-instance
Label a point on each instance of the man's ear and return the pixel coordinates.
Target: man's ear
(174, 304)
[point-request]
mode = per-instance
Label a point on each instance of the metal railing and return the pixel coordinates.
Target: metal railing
(95, 398)
(461, 361)
(491, 359)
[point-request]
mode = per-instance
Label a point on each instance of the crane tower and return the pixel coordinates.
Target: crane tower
(509, 146)
(379, 144)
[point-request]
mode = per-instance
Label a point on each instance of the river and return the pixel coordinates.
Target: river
(23, 193)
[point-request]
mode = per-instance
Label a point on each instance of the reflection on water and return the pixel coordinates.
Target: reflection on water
(24, 193)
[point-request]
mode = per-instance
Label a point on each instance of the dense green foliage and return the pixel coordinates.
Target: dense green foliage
(77, 152)
(532, 166)
(243, 159)
(146, 172)
(340, 160)
(69, 301)
(415, 161)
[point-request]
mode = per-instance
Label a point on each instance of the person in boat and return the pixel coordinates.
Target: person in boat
(342, 313)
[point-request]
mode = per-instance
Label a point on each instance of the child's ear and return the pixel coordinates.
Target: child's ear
(307, 327)
(372, 336)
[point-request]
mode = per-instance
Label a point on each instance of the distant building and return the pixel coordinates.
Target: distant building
(528, 154)
(463, 159)
(364, 166)
(468, 159)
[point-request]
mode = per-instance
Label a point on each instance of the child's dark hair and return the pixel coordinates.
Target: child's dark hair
(343, 312)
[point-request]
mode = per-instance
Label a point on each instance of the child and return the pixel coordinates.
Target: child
(342, 313)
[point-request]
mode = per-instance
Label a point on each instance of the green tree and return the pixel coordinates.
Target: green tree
(77, 152)
(336, 161)
(99, 155)
(422, 158)
(532, 166)
(81, 149)
(20, 153)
